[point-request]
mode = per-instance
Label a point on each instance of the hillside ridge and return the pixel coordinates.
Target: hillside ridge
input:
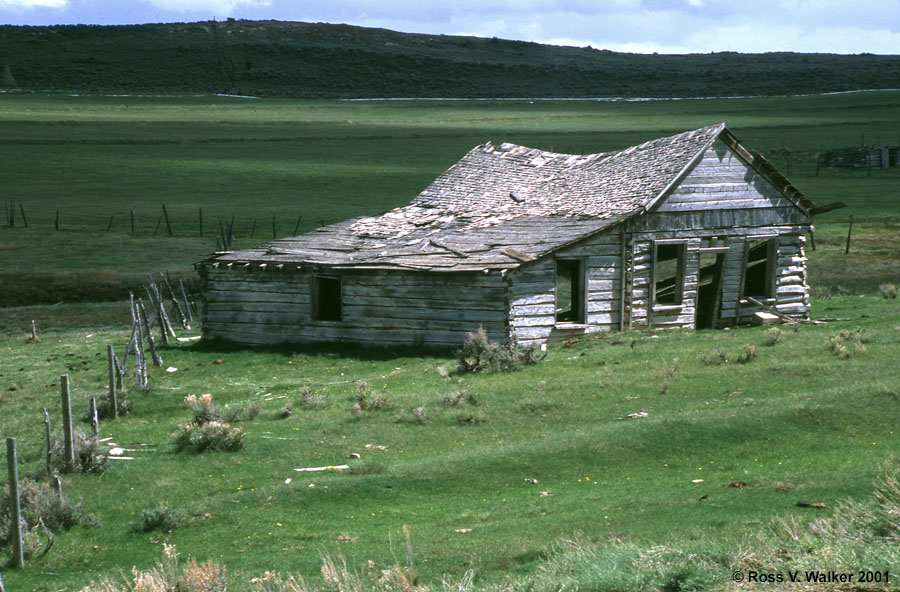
(318, 60)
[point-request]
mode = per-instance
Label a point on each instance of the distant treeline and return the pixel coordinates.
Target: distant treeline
(270, 58)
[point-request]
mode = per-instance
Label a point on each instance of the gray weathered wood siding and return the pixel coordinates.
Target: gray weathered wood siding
(532, 291)
(721, 197)
(248, 305)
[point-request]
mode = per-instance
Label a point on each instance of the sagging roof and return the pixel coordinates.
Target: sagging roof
(503, 205)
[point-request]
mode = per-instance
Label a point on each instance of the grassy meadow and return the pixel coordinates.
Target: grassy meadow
(492, 483)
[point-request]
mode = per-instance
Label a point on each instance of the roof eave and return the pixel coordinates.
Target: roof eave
(767, 170)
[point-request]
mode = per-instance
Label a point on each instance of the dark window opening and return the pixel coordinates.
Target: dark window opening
(569, 291)
(326, 299)
(668, 271)
(759, 272)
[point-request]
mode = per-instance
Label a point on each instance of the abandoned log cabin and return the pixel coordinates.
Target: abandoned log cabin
(535, 246)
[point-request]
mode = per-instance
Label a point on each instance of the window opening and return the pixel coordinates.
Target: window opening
(569, 291)
(668, 261)
(759, 272)
(327, 305)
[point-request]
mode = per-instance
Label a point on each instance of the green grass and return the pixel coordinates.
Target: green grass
(92, 158)
(797, 416)
(792, 417)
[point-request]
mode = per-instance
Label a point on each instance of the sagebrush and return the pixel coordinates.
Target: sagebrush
(480, 354)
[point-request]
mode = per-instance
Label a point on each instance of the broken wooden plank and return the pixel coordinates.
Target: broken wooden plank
(518, 255)
(772, 310)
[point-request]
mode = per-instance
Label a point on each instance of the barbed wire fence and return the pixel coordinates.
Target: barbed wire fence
(164, 221)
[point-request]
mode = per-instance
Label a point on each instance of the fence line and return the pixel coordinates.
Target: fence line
(167, 221)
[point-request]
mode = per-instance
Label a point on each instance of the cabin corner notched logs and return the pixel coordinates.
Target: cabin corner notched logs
(535, 246)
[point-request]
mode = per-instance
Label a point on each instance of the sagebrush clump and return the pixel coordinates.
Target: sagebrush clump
(888, 291)
(747, 355)
(161, 518)
(480, 354)
(849, 344)
(89, 455)
(44, 512)
(773, 336)
(313, 399)
(208, 430)
(367, 399)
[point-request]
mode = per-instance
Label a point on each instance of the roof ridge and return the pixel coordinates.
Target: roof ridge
(510, 147)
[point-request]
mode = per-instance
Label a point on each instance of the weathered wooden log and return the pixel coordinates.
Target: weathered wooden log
(177, 305)
(68, 435)
(95, 421)
(48, 442)
(15, 505)
(188, 304)
(113, 379)
(157, 360)
(140, 371)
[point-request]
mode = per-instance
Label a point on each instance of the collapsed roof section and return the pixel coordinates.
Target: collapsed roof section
(501, 206)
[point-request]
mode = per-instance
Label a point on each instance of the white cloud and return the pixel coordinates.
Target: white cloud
(696, 3)
(34, 3)
(217, 7)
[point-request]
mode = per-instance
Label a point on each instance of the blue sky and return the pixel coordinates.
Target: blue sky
(664, 26)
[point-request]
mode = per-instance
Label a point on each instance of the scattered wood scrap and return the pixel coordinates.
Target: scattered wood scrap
(804, 504)
(773, 311)
(638, 415)
(318, 469)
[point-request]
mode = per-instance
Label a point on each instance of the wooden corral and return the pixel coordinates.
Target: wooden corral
(882, 157)
(535, 246)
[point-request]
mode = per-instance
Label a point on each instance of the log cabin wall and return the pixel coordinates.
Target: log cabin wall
(254, 306)
(721, 202)
(533, 299)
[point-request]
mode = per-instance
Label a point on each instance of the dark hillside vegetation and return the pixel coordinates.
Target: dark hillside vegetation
(271, 58)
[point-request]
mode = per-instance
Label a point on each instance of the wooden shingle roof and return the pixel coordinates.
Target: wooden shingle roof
(499, 206)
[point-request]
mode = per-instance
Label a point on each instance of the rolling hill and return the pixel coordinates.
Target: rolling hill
(306, 60)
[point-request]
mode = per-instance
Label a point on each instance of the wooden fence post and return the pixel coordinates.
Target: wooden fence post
(133, 222)
(56, 221)
(113, 396)
(187, 304)
(15, 506)
(253, 228)
(68, 436)
(154, 301)
(95, 422)
(182, 316)
(140, 370)
(297, 226)
(156, 358)
(22, 209)
(849, 231)
(166, 216)
(201, 222)
(47, 441)
(274, 231)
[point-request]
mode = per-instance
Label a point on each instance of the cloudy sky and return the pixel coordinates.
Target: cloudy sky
(664, 26)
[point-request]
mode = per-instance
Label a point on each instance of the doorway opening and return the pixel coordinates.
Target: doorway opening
(709, 290)
(570, 291)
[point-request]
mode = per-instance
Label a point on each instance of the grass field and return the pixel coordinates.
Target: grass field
(93, 159)
(796, 417)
